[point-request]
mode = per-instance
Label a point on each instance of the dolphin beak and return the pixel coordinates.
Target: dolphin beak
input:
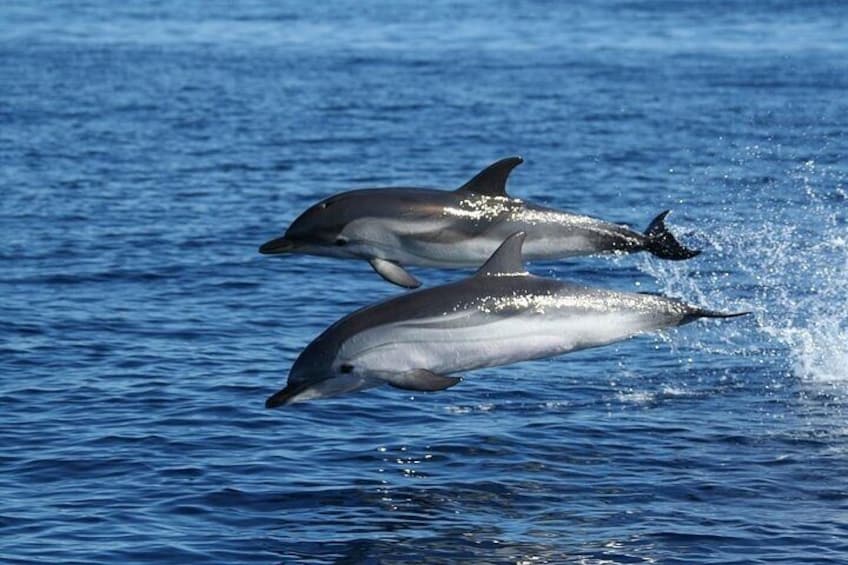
(284, 396)
(276, 246)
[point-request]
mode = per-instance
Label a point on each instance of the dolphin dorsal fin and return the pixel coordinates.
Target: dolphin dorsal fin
(491, 181)
(506, 260)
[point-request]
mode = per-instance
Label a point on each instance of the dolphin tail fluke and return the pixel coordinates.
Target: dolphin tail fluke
(663, 244)
(698, 313)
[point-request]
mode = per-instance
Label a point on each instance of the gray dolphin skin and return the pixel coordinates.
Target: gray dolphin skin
(393, 227)
(502, 314)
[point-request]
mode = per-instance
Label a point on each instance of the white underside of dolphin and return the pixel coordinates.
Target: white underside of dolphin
(501, 315)
(483, 342)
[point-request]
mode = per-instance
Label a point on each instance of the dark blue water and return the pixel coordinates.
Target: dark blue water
(146, 151)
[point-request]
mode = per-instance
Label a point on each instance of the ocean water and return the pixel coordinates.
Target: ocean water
(147, 149)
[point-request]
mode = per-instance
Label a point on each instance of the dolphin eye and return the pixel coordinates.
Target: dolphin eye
(346, 368)
(340, 241)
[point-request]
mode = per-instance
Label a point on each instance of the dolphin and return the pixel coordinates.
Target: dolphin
(502, 314)
(394, 227)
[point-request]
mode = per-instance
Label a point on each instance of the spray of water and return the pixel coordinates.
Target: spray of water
(779, 249)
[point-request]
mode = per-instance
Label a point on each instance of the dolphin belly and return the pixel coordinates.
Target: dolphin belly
(575, 236)
(451, 240)
(473, 251)
(546, 248)
(543, 243)
(424, 242)
(446, 345)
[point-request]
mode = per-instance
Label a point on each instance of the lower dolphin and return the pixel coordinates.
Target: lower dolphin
(501, 315)
(396, 227)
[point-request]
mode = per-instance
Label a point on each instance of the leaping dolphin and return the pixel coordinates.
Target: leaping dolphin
(500, 315)
(392, 227)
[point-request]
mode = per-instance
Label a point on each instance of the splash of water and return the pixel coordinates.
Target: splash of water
(780, 251)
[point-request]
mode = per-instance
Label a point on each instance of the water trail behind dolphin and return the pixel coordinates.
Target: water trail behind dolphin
(786, 259)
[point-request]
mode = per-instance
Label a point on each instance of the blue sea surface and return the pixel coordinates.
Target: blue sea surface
(147, 149)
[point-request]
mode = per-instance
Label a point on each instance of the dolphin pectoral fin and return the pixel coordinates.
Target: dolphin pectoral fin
(394, 273)
(420, 380)
(491, 181)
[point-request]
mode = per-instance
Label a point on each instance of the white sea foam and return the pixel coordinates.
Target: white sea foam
(785, 258)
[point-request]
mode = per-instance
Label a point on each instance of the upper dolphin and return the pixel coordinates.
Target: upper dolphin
(391, 227)
(500, 315)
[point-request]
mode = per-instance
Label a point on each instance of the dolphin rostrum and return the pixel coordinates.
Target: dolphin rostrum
(500, 315)
(391, 227)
